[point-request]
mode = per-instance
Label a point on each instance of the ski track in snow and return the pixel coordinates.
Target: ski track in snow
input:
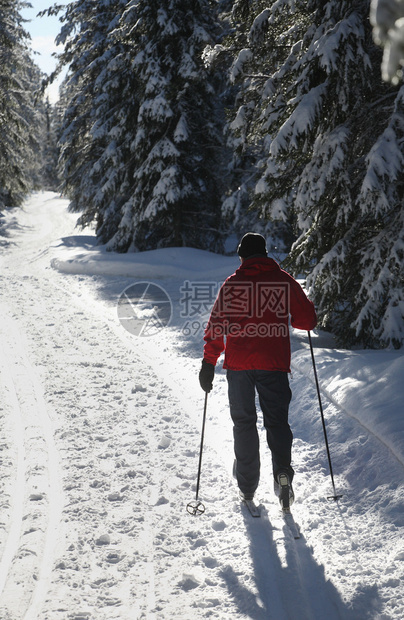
(99, 456)
(35, 498)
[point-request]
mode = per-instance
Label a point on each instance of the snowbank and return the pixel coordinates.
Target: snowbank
(81, 255)
(367, 385)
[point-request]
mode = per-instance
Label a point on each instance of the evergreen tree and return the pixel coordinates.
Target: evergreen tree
(175, 144)
(93, 168)
(19, 81)
(140, 140)
(50, 129)
(248, 61)
(325, 162)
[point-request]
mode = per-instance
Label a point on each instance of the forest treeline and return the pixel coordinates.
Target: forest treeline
(186, 122)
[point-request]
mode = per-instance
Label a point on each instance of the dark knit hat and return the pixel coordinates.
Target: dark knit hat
(251, 244)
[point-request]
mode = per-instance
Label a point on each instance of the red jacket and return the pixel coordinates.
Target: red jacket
(251, 315)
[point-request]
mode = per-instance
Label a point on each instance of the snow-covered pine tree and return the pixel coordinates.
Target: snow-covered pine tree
(20, 79)
(92, 100)
(333, 157)
(50, 129)
(146, 179)
(175, 144)
(378, 305)
(252, 58)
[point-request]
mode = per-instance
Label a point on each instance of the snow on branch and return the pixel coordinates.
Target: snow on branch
(244, 56)
(157, 108)
(259, 27)
(385, 165)
(301, 121)
(328, 162)
(166, 191)
(330, 262)
(280, 5)
(333, 43)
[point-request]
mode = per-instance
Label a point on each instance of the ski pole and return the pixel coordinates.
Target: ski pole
(335, 497)
(196, 507)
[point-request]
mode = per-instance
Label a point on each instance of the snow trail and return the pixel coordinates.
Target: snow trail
(9, 398)
(37, 501)
(103, 428)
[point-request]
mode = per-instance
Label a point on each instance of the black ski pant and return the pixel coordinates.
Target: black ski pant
(274, 397)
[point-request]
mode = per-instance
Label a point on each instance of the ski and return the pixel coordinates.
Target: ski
(290, 522)
(252, 507)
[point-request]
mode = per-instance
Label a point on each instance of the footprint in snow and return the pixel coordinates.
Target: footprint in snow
(164, 442)
(189, 582)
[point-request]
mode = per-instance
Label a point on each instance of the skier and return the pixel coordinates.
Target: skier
(250, 322)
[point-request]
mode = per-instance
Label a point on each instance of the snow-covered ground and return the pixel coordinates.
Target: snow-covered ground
(99, 448)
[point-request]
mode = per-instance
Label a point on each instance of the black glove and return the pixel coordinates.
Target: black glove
(206, 375)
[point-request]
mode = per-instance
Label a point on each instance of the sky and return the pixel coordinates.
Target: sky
(43, 31)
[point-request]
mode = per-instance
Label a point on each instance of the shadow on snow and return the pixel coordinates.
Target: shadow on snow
(294, 587)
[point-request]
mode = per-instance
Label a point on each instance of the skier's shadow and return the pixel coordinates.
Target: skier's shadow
(289, 583)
